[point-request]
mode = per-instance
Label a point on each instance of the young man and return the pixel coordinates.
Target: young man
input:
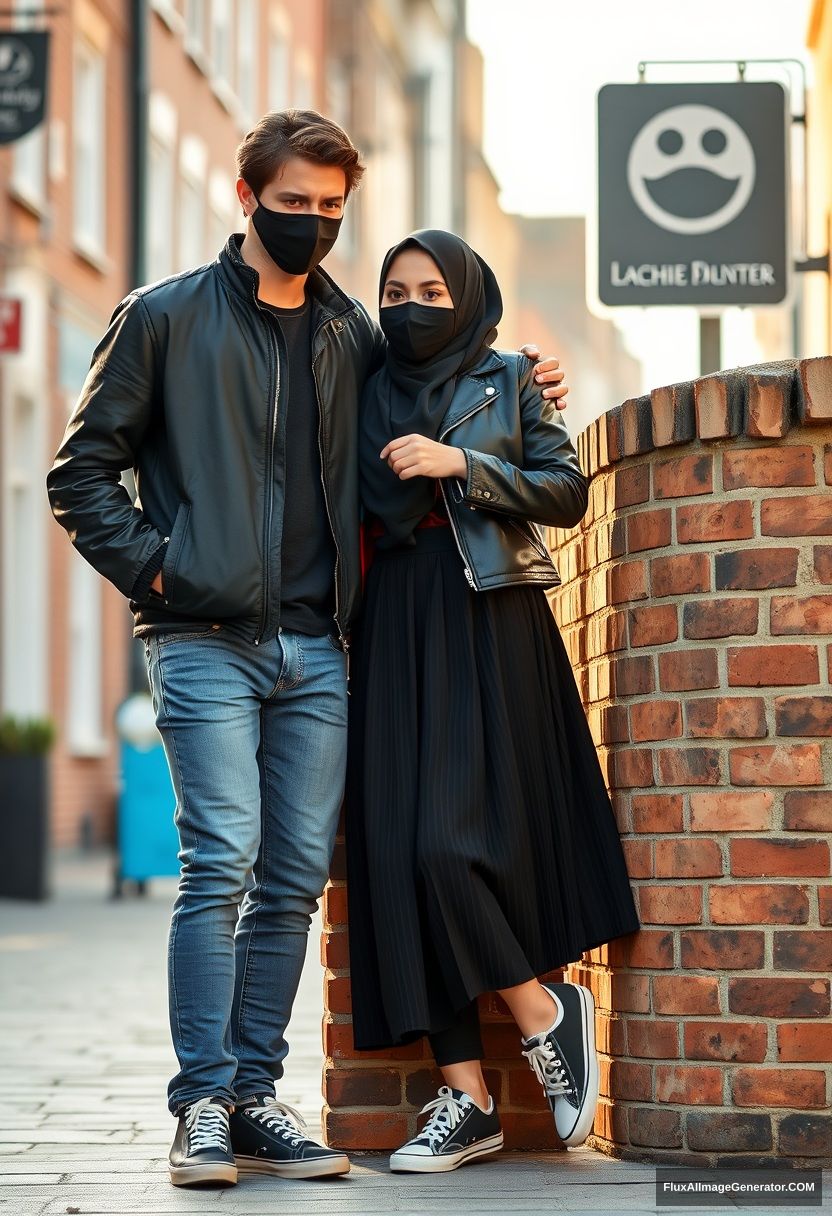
(232, 391)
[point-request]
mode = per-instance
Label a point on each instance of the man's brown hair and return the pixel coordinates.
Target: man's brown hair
(281, 134)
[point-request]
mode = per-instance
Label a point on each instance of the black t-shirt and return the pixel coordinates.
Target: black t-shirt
(307, 575)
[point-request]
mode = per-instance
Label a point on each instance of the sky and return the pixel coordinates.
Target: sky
(543, 67)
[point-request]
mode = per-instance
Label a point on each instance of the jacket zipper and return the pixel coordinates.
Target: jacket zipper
(344, 643)
(270, 499)
(466, 561)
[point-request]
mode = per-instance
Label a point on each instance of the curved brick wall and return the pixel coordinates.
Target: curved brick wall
(697, 609)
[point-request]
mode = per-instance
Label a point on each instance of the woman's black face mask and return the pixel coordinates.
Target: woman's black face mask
(296, 243)
(417, 332)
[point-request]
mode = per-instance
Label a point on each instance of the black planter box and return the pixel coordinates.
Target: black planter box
(24, 825)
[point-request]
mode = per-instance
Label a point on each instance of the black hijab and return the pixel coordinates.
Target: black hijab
(405, 398)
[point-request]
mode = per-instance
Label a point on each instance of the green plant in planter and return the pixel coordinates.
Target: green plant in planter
(26, 736)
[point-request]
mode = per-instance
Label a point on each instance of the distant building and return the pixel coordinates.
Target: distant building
(817, 297)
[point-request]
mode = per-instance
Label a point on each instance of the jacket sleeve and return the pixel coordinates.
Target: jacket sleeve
(101, 439)
(378, 342)
(550, 488)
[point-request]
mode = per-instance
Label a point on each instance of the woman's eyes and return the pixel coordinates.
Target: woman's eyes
(394, 294)
(430, 296)
(397, 296)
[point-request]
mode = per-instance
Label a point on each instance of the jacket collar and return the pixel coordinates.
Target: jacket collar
(471, 392)
(490, 362)
(244, 280)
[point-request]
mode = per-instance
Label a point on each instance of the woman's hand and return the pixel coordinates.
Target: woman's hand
(418, 456)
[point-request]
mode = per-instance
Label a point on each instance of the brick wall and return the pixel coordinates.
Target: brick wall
(696, 606)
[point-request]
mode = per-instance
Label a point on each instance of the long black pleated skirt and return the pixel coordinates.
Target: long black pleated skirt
(482, 848)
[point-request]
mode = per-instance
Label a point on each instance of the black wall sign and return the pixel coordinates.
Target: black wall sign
(24, 56)
(693, 194)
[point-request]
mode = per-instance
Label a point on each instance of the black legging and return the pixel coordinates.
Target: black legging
(461, 1041)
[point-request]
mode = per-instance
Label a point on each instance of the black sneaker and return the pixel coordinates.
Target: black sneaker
(269, 1137)
(457, 1131)
(565, 1062)
(201, 1150)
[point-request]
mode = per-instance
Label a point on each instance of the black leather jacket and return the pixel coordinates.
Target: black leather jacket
(522, 471)
(183, 390)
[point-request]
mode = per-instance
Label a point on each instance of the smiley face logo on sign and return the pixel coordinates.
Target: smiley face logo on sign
(691, 169)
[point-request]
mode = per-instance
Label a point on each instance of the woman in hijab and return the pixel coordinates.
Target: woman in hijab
(482, 848)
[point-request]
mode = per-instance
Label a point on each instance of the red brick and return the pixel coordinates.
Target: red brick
(363, 1087)
(731, 1132)
(804, 1043)
(804, 1135)
(365, 1129)
(657, 812)
(335, 950)
(653, 625)
(627, 581)
(335, 906)
(825, 905)
(785, 858)
(759, 904)
(827, 463)
(780, 465)
(769, 997)
(667, 905)
(654, 1128)
(688, 765)
(726, 718)
(817, 389)
(801, 1087)
(768, 408)
(718, 949)
(802, 950)
(633, 676)
(685, 670)
(652, 1039)
(680, 574)
(687, 858)
(614, 724)
(823, 563)
(728, 1041)
(638, 855)
(777, 764)
(731, 811)
(801, 515)
(769, 666)
(689, 1085)
(723, 519)
(338, 1045)
(625, 1080)
(803, 715)
(648, 530)
(683, 476)
(337, 994)
(529, 1133)
(655, 720)
(633, 767)
(685, 994)
(631, 485)
(646, 948)
(756, 569)
(790, 615)
(720, 618)
(629, 993)
(808, 811)
(715, 418)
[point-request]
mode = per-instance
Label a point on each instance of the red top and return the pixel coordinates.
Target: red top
(373, 528)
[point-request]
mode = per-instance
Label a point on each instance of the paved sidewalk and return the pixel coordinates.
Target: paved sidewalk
(85, 1057)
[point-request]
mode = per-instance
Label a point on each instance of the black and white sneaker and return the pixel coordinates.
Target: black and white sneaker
(566, 1064)
(457, 1131)
(269, 1137)
(201, 1150)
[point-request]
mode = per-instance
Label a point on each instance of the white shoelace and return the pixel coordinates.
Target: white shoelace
(207, 1125)
(448, 1111)
(548, 1068)
(288, 1121)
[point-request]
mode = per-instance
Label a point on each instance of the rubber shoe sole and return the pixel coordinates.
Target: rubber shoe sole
(412, 1163)
(203, 1175)
(324, 1167)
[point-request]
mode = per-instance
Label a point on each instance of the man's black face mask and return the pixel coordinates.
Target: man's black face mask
(295, 243)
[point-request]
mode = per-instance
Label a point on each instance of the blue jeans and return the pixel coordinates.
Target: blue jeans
(255, 739)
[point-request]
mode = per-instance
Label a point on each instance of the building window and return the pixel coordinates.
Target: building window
(221, 39)
(194, 26)
(191, 222)
(84, 711)
(221, 198)
(247, 53)
(89, 151)
(279, 85)
(160, 182)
